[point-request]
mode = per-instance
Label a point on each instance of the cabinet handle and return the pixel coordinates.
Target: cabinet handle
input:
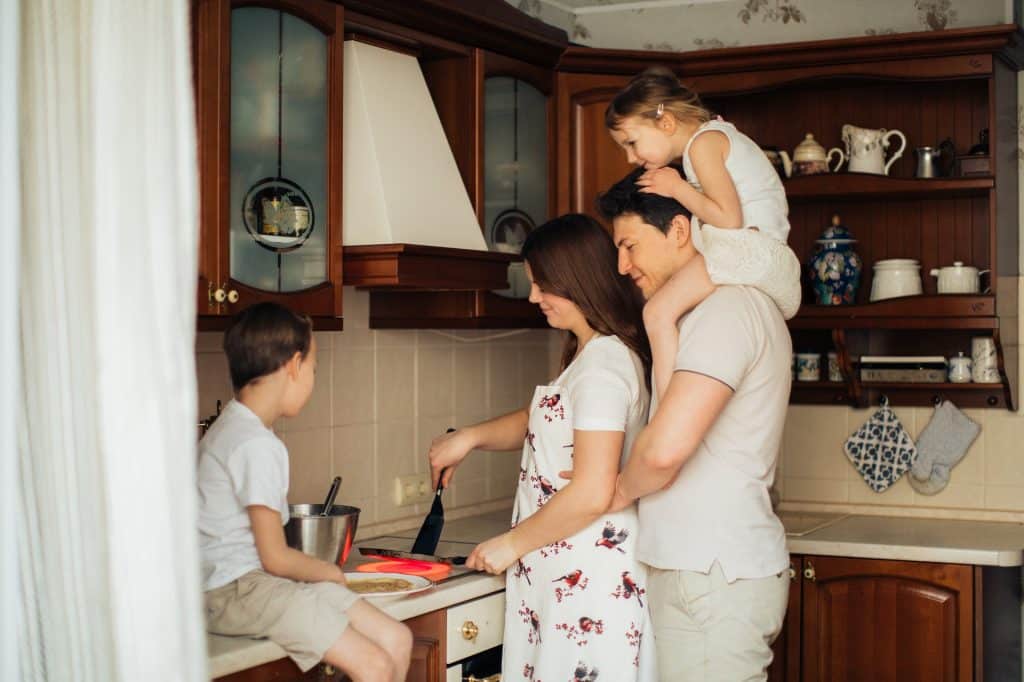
(792, 573)
(219, 295)
(470, 631)
(809, 572)
(329, 669)
(232, 296)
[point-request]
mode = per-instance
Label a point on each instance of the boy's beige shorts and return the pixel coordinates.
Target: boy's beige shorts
(305, 619)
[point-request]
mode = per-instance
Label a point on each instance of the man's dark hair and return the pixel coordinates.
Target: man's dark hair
(625, 198)
(262, 338)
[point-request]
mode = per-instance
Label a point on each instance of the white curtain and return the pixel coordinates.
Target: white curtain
(10, 615)
(106, 433)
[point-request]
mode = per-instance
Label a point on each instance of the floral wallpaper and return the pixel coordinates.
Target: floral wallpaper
(735, 23)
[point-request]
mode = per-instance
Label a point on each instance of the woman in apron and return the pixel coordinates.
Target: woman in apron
(575, 593)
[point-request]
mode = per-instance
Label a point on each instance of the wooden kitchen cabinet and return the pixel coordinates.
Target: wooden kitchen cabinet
(930, 85)
(495, 101)
(868, 619)
(268, 83)
(428, 649)
(785, 665)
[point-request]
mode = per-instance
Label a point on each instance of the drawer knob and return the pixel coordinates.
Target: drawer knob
(470, 630)
(809, 572)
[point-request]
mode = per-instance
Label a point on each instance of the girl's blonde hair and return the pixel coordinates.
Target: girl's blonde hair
(652, 93)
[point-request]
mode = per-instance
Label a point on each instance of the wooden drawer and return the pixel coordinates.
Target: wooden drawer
(487, 615)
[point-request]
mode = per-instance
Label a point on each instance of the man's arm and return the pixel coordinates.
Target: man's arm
(691, 405)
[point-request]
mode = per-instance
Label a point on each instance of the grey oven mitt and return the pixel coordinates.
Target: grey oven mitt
(940, 447)
(881, 449)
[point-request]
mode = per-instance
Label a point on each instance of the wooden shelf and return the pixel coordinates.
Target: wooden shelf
(938, 386)
(944, 311)
(869, 185)
(820, 393)
(918, 394)
(416, 267)
(452, 310)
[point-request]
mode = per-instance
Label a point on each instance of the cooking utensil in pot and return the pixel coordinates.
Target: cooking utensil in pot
(325, 537)
(430, 531)
(329, 500)
(411, 556)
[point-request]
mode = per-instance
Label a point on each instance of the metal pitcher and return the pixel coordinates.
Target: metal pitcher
(928, 162)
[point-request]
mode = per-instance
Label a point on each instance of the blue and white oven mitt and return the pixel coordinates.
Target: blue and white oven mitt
(881, 449)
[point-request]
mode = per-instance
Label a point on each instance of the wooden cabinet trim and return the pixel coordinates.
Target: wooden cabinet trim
(1003, 40)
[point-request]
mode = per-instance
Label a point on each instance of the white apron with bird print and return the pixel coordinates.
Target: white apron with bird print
(576, 610)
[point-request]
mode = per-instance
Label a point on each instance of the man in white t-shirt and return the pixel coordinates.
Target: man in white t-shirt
(701, 470)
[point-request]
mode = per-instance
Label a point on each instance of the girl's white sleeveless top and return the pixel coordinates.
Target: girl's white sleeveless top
(762, 196)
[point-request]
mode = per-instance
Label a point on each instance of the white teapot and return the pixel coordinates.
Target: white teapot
(958, 279)
(865, 149)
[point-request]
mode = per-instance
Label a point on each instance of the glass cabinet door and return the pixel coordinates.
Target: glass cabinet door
(278, 239)
(515, 161)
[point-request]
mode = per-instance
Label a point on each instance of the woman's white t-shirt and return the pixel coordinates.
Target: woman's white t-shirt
(604, 373)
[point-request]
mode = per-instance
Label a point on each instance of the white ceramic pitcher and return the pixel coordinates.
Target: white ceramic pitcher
(865, 149)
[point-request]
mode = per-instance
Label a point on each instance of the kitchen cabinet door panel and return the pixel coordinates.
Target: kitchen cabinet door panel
(785, 665)
(428, 648)
(886, 620)
(268, 108)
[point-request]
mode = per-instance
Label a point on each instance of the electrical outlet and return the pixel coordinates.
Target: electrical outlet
(412, 489)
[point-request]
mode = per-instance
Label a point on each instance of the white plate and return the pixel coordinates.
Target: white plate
(419, 583)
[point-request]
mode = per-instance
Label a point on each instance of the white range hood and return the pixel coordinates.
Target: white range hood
(401, 183)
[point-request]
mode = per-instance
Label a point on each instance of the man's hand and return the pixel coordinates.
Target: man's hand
(493, 556)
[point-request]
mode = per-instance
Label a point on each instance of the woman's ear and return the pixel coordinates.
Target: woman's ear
(680, 230)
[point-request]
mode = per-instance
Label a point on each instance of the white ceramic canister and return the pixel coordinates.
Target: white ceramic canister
(896, 277)
(983, 356)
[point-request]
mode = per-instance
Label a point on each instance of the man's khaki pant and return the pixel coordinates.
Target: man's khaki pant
(708, 630)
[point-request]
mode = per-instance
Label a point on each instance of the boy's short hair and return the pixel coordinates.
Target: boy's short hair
(262, 338)
(625, 198)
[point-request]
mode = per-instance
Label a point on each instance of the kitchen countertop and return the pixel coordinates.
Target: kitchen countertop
(845, 535)
(946, 541)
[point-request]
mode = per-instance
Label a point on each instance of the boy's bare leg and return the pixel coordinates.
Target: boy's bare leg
(373, 647)
(679, 295)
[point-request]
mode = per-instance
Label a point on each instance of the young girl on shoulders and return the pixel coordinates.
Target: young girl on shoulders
(739, 208)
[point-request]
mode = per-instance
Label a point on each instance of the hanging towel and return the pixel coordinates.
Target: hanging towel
(881, 449)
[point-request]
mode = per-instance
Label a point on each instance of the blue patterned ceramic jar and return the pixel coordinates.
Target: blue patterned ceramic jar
(835, 268)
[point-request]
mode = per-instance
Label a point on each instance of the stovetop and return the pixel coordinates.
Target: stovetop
(445, 548)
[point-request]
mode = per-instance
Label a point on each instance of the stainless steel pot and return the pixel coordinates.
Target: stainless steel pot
(325, 537)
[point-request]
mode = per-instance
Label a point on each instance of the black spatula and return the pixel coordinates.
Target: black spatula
(430, 531)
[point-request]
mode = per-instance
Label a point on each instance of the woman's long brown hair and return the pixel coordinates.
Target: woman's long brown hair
(574, 257)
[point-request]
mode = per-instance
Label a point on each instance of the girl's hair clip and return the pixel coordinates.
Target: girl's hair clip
(660, 111)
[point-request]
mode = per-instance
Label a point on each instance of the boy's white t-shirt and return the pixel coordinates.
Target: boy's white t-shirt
(241, 463)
